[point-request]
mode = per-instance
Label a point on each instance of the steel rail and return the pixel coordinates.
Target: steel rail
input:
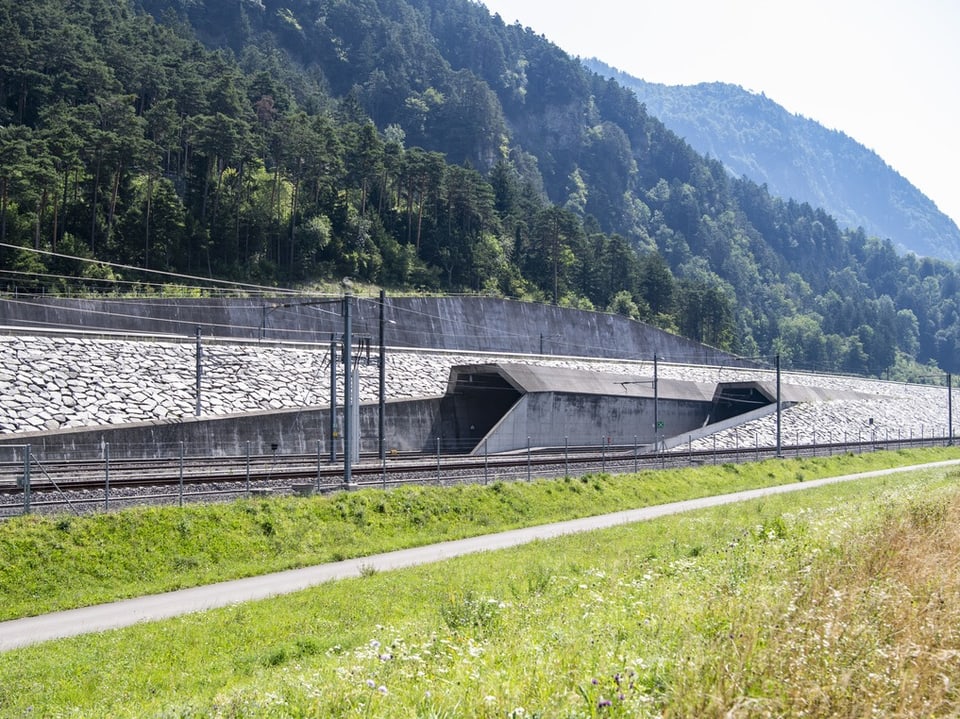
(87, 475)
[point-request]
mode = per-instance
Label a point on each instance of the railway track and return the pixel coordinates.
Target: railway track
(86, 485)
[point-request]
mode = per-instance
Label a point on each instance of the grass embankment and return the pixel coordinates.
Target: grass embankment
(54, 563)
(844, 600)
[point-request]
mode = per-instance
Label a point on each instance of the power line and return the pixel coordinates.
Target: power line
(284, 291)
(87, 312)
(162, 273)
(74, 278)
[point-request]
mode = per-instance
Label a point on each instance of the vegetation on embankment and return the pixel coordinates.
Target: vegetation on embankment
(431, 146)
(841, 600)
(62, 562)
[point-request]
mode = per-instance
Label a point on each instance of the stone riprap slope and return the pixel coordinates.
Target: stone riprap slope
(58, 382)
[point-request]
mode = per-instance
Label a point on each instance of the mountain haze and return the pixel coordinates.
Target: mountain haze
(797, 157)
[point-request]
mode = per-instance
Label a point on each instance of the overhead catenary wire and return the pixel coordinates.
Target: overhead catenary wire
(6, 273)
(161, 273)
(223, 284)
(439, 337)
(247, 287)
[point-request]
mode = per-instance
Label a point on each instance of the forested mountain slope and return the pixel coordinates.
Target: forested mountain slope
(415, 144)
(797, 157)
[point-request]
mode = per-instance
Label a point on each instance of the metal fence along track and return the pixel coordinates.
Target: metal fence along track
(28, 483)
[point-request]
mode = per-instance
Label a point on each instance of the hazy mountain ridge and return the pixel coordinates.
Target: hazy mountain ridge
(798, 157)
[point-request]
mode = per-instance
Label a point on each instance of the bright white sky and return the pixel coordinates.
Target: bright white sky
(885, 72)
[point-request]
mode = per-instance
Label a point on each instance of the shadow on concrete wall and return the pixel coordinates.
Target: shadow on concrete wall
(481, 324)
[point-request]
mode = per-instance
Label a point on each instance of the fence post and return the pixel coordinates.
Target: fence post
(26, 479)
(438, 460)
(566, 456)
(634, 454)
(181, 473)
(106, 476)
(486, 460)
(248, 468)
(318, 465)
(528, 457)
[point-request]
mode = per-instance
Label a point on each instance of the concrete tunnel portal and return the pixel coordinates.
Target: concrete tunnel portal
(504, 407)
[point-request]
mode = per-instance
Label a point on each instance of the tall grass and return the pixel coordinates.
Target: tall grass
(873, 631)
(840, 601)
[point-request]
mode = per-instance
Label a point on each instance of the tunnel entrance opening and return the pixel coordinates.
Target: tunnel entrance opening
(474, 403)
(733, 400)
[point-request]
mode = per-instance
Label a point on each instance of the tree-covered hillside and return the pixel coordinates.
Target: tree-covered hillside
(796, 157)
(415, 144)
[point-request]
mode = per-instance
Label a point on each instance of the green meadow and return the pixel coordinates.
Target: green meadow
(840, 600)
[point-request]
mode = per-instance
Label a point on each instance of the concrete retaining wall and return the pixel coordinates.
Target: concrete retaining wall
(455, 323)
(412, 425)
(460, 324)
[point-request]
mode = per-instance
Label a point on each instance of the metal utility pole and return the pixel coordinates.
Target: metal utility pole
(950, 408)
(656, 406)
(548, 337)
(199, 369)
(333, 398)
(779, 446)
(381, 409)
(347, 397)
